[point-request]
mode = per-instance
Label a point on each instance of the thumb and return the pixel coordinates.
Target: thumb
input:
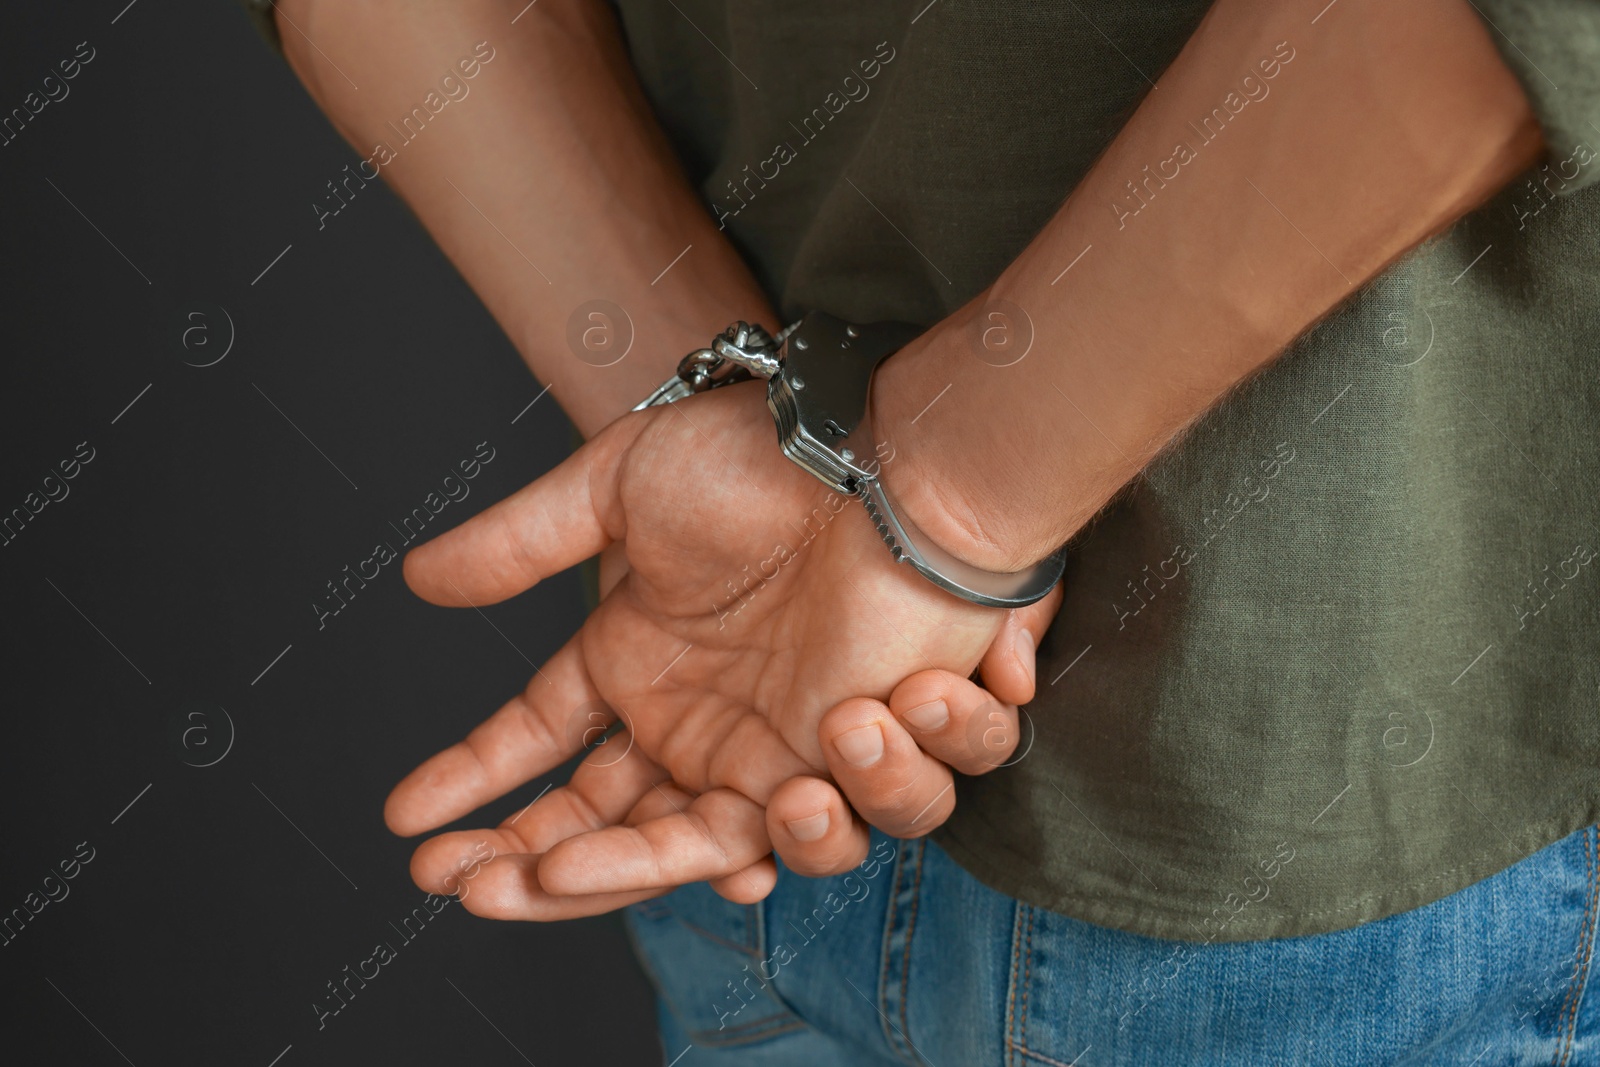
(542, 529)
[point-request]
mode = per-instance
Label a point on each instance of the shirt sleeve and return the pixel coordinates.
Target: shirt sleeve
(1553, 47)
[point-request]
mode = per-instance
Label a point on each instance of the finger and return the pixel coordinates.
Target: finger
(666, 798)
(1008, 666)
(742, 887)
(542, 529)
(505, 885)
(956, 721)
(537, 730)
(721, 832)
(508, 889)
(613, 566)
(888, 779)
(751, 885)
(813, 829)
(753, 759)
(602, 792)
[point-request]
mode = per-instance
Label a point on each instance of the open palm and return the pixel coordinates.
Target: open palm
(753, 602)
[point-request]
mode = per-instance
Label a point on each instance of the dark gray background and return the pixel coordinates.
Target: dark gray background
(189, 552)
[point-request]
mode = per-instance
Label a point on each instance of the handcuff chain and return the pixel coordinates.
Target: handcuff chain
(815, 430)
(741, 352)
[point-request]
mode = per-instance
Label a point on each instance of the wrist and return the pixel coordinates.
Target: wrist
(941, 468)
(610, 354)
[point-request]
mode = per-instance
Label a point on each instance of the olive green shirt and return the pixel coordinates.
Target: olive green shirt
(1334, 656)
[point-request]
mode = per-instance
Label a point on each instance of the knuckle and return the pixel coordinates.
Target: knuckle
(821, 859)
(899, 807)
(987, 738)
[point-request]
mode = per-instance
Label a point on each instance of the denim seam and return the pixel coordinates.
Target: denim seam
(1011, 993)
(773, 1025)
(758, 917)
(1577, 955)
(888, 933)
(725, 942)
(1562, 1042)
(1042, 1058)
(1027, 983)
(745, 1034)
(1585, 953)
(903, 883)
(911, 925)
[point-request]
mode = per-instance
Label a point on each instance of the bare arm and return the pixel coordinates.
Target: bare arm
(1209, 239)
(1379, 126)
(544, 177)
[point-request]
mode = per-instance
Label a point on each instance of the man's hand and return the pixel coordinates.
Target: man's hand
(753, 602)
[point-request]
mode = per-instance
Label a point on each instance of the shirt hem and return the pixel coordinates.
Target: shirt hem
(1181, 924)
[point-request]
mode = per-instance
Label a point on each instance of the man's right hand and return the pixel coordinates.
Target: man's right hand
(730, 690)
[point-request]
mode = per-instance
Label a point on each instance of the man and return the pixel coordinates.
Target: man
(1313, 750)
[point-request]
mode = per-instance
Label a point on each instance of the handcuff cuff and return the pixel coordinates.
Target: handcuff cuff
(819, 377)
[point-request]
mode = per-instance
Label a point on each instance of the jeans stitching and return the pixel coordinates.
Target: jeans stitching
(1027, 982)
(890, 920)
(1577, 963)
(663, 1000)
(745, 1033)
(782, 1021)
(1042, 1058)
(1585, 951)
(758, 919)
(1011, 994)
(911, 924)
(725, 942)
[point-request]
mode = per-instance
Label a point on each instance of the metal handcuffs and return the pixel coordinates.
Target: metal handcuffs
(819, 374)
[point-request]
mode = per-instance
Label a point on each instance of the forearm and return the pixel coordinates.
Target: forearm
(544, 178)
(1380, 125)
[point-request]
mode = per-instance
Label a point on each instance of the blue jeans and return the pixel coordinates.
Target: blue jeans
(910, 960)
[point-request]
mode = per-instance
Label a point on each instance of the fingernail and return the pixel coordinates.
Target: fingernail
(1023, 649)
(861, 747)
(929, 716)
(811, 828)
